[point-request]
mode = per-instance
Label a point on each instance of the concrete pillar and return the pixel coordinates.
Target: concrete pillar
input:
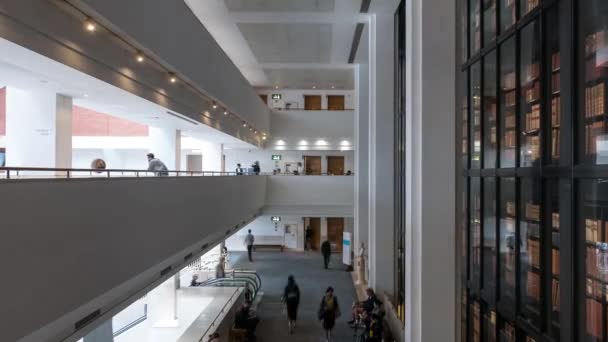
(162, 306)
(38, 128)
(102, 333)
(381, 150)
(430, 172)
(213, 157)
(166, 145)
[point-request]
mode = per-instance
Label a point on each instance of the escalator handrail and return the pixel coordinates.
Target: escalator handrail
(257, 276)
(227, 282)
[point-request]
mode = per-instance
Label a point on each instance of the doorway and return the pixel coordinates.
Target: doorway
(264, 98)
(335, 165)
(335, 102)
(312, 102)
(315, 226)
(194, 162)
(335, 230)
(312, 165)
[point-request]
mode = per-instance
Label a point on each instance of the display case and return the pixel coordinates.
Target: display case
(490, 109)
(530, 251)
(508, 243)
(553, 82)
(489, 241)
(475, 234)
(530, 100)
(553, 221)
(475, 116)
(508, 104)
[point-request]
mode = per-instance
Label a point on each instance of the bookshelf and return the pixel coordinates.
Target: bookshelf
(476, 322)
(476, 115)
(530, 99)
(489, 21)
(508, 217)
(475, 234)
(490, 109)
(508, 333)
(508, 104)
(489, 327)
(530, 250)
(527, 6)
(475, 27)
(489, 240)
(555, 104)
(507, 14)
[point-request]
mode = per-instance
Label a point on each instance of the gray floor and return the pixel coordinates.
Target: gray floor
(274, 267)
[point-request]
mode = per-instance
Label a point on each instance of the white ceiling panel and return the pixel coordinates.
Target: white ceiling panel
(280, 5)
(309, 78)
(289, 43)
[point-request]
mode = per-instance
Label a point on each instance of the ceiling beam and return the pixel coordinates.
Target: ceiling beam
(298, 17)
(306, 66)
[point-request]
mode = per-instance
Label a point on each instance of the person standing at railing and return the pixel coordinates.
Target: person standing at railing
(256, 167)
(157, 166)
(219, 269)
(249, 241)
(239, 170)
(194, 282)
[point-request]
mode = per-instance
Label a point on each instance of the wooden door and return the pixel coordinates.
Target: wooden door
(264, 98)
(315, 225)
(335, 230)
(335, 165)
(335, 102)
(312, 165)
(312, 102)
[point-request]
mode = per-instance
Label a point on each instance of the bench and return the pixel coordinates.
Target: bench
(268, 247)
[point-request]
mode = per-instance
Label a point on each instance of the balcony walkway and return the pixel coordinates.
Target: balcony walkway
(274, 267)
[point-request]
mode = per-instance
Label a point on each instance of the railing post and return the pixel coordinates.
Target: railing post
(108, 173)
(8, 174)
(69, 174)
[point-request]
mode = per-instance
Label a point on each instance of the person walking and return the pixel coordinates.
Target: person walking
(291, 298)
(249, 240)
(156, 165)
(239, 170)
(326, 251)
(308, 243)
(256, 167)
(329, 310)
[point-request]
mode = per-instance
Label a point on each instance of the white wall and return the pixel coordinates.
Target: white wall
(247, 157)
(309, 190)
(263, 229)
(133, 159)
(296, 97)
(101, 241)
(315, 130)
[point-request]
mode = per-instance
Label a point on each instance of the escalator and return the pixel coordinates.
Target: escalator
(250, 280)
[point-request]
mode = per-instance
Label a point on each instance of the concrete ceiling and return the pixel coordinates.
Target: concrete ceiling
(25, 69)
(289, 44)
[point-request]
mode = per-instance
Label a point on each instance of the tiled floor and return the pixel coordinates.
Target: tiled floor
(274, 268)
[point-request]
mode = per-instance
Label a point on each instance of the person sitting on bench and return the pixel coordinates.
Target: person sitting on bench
(367, 305)
(247, 320)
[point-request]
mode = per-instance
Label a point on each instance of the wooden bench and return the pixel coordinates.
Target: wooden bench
(264, 247)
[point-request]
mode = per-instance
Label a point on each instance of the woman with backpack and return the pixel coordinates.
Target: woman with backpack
(291, 298)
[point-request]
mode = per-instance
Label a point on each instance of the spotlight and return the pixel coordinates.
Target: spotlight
(225, 113)
(244, 124)
(333, 87)
(264, 138)
(214, 105)
(90, 25)
(314, 87)
(139, 57)
(276, 87)
(172, 77)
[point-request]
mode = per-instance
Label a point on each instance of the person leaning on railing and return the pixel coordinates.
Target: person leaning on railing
(157, 166)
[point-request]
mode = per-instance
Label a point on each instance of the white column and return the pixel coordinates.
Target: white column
(213, 155)
(38, 128)
(361, 178)
(166, 146)
(431, 172)
(162, 306)
(102, 333)
(381, 147)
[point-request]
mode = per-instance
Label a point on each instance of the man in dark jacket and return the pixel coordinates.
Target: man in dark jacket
(326, 251)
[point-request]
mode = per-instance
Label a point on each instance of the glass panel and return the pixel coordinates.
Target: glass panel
(476, 115)
(475, 235)
(508, 333)
(475, 26)
(464, 305)
(507, 14)
(476, 322)
(489, 110)
(489, 239)
(507, 241)
(489, 327)
(530, 101)
(594, 219)
(465, 127)
(526, 6)
(507, 104)
(553, 208)
(489, 21)
(593, 52)
(554, 53)
(530, 249)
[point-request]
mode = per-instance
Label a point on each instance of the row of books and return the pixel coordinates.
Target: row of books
(533, 211)
(534, 253)
(593, 71)
(508, 81)
(555, 83)
(533, 118)
(556, 111)
(531, 150)
(555, 294)
(596, 261)
(509, 139)
(595, 289)
(508, 333)
(594, 42)
(555, 221)
(509, 120)
(555, 144)
(476, 322)
(594, 100)
(593, 230)
(555, 61)
(532, 93)
(533, 285)
(593, 133)
(529, 5)
(532, 72)
(594, 318)
(555, 261)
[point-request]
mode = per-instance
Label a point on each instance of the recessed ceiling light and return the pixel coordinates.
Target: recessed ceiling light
(264, 137)
(86, 95)
(225, 112)
(333, 87)
(244, 124)
(139, 57)
(214, 105)
(90, 25)
(276, 87)
(314, 87)
(172, 77)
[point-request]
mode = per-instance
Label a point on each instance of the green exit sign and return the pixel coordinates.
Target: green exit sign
(276, 157)
(276, 96)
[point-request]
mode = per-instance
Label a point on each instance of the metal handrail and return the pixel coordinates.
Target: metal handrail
(218, 316)
(11, 172)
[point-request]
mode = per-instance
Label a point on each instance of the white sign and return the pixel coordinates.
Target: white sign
(346, 248)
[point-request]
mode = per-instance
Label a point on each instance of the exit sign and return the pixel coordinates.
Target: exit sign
(276, 96)
(276, 157)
